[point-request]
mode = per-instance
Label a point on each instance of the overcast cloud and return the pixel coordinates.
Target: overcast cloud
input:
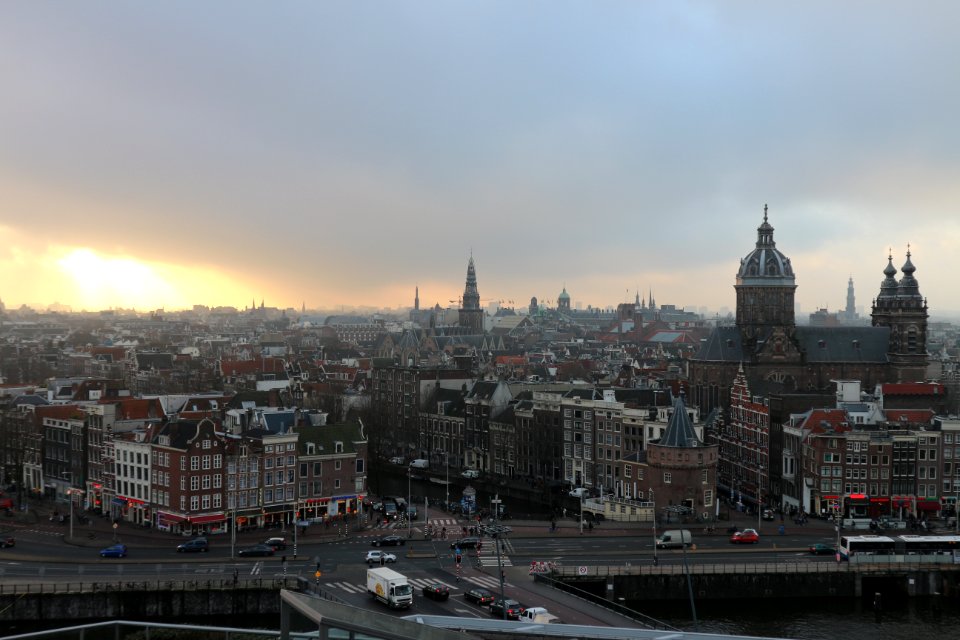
(343, 153)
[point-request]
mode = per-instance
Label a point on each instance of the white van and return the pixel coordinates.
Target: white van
(420, 463)
(675, 539)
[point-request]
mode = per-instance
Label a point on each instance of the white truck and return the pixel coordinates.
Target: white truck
(538, 615)
(389, 587)
(675, 539)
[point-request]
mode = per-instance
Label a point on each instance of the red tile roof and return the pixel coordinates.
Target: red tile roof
(914, 416)
(912, 389)
(818, 419)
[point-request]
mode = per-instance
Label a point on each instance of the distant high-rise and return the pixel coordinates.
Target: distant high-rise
(471, 315)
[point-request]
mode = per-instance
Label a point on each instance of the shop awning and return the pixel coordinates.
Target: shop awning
(170, 518)
(120, 502)
(928, 505)
(210, 517)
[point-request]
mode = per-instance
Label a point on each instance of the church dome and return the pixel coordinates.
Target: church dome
(563, 295)
(765, 265)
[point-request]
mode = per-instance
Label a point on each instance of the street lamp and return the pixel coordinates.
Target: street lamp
(495, 504)
(759, 506)
(409, 523)
(654, 502)
(70, 493)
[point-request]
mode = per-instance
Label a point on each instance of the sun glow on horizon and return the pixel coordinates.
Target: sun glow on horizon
(101, 281)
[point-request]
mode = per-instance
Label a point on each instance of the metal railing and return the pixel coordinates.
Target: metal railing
(109, 586)
(604, 571)
(117, 629)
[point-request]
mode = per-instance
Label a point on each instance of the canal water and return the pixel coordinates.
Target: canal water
(817, 619)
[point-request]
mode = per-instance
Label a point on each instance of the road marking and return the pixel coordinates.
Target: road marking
(467, 611)
(257, 567)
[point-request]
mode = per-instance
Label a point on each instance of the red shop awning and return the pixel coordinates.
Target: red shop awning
(211, 517)
(928, 505)
(169, 518)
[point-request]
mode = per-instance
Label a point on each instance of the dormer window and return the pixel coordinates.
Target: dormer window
(338, 447)
(311, 448)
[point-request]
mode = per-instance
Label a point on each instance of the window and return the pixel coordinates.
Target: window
(336, 465)
(194, 463)
(217, 481)
(216, 501)
(206, 462)
(336, 483)
(708, 498)
(194, 483)
(183, 464)
(206, 482)
(303, 469)
(194, 503)
(218, 461)
(206, 444)
(206, 501)
(667, 477)
(317, 468)
(704, 476)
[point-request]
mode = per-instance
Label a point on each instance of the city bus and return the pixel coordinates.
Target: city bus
(927, 545)
(866, 545)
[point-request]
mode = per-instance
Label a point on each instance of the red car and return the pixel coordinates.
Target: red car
(747, 536)
(7, 542)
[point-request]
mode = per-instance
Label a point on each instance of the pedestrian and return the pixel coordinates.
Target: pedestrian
(564, 512)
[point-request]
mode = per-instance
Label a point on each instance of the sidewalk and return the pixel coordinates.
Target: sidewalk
(98, 531)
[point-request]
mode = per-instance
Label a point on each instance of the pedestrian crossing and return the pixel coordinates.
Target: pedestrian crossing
(438, 523)
(487, 556)
(487, 582)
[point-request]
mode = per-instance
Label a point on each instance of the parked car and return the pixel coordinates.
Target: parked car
(514, 608)
(397, 460)
(373, 557)
(820, 549)
(278, 544)
(193, 546)
(466, 543)
(479, 596)
(257, 550)
(436, 591)
(768, 514)
(115, 551)
(7, 541)
(747, 536)
(579, 492)
(389, 541)
(471, 473)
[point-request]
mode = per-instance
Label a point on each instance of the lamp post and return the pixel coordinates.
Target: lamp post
(495, 505)
(759, 505)
(70, 493)
(409, 523)
(654, 502)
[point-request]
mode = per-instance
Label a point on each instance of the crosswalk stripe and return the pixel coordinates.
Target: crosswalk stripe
(486, 581)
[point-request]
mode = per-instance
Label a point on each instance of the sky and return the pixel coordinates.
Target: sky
(162, 155)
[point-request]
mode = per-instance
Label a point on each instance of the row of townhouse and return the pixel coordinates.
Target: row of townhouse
(192, 472)
(858, 458)
(571, 435)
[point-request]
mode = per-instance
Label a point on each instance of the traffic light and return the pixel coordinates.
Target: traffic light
(459, 558)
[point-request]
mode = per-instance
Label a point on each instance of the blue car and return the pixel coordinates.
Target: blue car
(116, 551)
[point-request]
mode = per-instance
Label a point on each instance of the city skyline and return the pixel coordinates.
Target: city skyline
(177, 155)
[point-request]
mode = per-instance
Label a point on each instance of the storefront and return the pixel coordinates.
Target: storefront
(902, 507)
(133, 510)
(207, 523)
(171, 522)
(927, 509)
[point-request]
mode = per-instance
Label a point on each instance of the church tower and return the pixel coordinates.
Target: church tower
(901, 307)
(850, 313)
(416, 300)
(765, 288)
(471, 315)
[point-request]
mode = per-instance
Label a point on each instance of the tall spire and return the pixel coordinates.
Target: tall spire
(416, 300)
